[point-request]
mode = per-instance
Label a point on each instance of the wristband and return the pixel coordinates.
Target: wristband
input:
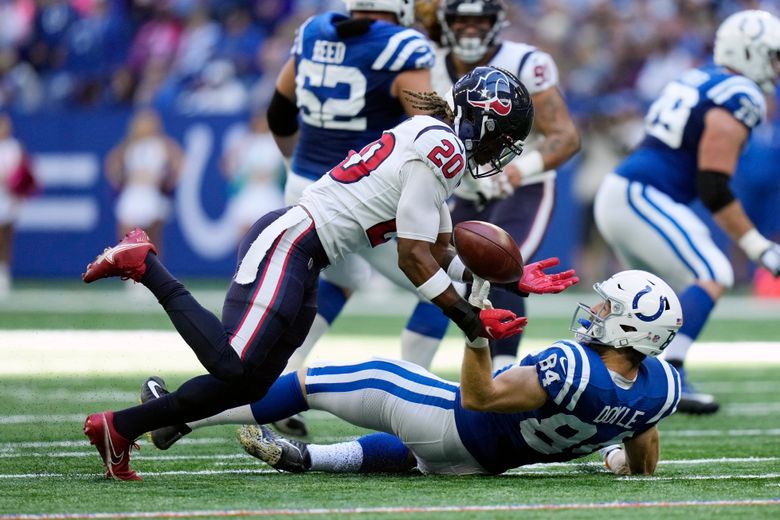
(435, 285)
(531, 163)
(478, 342)
(456, 269)
(754, 244)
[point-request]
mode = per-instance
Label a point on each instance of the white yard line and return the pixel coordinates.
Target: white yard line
(467, 509)
(163, 352)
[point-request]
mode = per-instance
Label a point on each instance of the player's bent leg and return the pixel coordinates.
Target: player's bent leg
(162, 438)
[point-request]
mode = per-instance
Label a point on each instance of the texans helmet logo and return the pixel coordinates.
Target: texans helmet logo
(492, 93)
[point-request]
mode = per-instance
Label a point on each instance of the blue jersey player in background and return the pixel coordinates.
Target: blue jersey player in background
(695, 132)
(342, 86)
(605, 391)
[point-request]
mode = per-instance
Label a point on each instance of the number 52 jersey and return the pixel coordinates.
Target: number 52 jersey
(587, 408)
(343, 80)
(396, 186)
(667, 158)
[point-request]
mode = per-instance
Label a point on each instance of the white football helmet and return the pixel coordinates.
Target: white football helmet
(749, 43)
(644, 314)
(402, 9)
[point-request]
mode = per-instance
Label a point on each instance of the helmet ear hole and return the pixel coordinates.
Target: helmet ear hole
(628, 328)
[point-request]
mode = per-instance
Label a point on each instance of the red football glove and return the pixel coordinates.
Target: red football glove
(500, 323)
(536, 281)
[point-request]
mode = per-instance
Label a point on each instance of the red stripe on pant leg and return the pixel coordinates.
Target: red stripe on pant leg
(276, 289)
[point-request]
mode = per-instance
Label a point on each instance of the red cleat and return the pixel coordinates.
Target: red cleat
(113, 448)
(126, 259)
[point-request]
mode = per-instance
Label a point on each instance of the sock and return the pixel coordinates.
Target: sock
(344, 457)
(418, 349)
(283, 399)
(696, 306)
(385, 453)
(200, 329)
(239, 415)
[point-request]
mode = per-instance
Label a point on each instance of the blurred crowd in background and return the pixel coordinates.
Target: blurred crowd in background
(221, 57)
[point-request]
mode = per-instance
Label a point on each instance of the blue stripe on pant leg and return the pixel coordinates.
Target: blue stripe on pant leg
(660, 232)
(386, 386)
(387, 366)
(684, 233)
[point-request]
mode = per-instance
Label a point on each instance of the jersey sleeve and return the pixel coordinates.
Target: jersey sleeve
(297, 47)
(742, 98)
(563, 371)
(437, 146)
(538, 72)
(673, 387)
(419, 207)
(405, 50)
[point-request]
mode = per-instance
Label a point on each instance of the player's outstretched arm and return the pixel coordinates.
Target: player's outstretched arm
(638, 456)
(536, 281)
(516, 390)
(719, 151)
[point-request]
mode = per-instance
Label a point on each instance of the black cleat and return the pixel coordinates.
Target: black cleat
(693, 402)
(294, 425)
(162, 438)
(276, 451)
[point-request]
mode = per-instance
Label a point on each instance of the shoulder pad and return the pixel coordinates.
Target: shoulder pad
(297, 46)
(742, 97)
(440, 149)
(564, 372)
(406, 49)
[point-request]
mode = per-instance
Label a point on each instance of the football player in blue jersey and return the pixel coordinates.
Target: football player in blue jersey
(604, 391)
(520, 199)
(695, 132)
(338, 91)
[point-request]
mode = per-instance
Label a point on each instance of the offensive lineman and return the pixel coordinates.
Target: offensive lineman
(396, 186)
(567, 401)
(521, 199)
(695, 132)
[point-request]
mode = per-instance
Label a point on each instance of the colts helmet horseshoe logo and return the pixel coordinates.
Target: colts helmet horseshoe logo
(492, 93)
(643, 317)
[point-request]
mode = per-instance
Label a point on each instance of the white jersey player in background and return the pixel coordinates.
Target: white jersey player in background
(521, 198)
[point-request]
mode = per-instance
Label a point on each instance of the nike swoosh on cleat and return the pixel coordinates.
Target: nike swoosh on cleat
(109, 255)
(153, 386)
(113, 458)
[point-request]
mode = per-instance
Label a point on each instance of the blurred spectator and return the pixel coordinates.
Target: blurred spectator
(20, 88)
(253, 164)
(16, 182)
(241, 42)
(144, 169)
(217, 92)
(197, 44)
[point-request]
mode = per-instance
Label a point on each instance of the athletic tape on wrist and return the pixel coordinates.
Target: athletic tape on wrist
(456, 269)
(435, 285)
(478, 342)
(754, 244)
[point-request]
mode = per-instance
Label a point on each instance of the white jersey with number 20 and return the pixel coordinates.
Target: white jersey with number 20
(397, 185)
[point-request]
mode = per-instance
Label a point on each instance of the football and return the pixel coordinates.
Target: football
(488, 251)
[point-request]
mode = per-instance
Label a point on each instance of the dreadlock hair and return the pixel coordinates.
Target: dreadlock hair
(433, 104)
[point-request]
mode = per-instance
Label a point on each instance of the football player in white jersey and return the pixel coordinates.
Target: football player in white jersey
(396, 186)
(605, 391)
(520, 199)
(695, 132)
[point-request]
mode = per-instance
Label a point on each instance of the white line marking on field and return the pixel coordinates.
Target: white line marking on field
(397, 510)
(765, 476)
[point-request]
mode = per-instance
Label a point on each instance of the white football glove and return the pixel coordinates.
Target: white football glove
(479, 293)
(770, 259)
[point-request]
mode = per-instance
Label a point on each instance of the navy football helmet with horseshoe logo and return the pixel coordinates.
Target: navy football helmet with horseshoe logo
(493, 116)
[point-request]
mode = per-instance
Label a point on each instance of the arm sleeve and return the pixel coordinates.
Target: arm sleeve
(445, 220)
(420, 205)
